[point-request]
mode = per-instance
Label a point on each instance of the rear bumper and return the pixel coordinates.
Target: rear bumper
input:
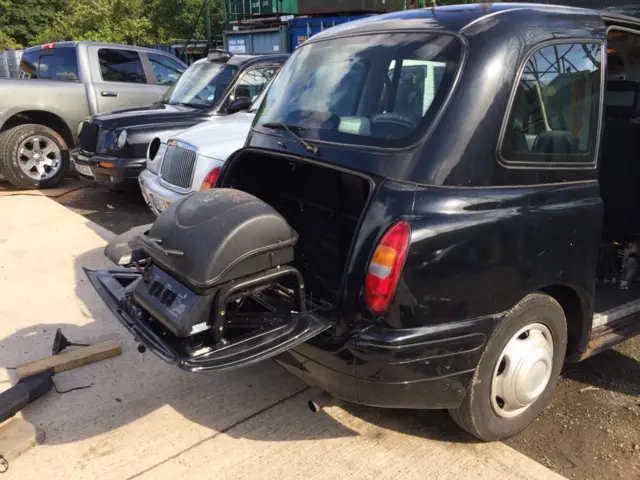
(421, 368)
(123, 170)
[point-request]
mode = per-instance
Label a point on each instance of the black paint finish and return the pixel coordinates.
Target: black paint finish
(483, 235)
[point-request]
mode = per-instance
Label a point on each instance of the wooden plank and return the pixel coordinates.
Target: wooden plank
(16, 437)
(72, 359)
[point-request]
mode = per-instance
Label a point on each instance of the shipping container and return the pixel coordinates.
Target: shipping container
(281, 39)
(311, 7)
(242, 9)
(301, 29)
(259, 41)
(10, 63)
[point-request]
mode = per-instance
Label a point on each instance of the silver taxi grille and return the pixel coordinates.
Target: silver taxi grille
(179, 164)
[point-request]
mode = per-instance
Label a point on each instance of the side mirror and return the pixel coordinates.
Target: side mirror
(240, 103)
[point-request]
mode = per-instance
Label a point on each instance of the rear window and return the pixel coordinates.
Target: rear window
(121, 66)
(382, 89)
(50, 64)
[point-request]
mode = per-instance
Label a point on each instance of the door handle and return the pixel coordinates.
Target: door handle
(109, 94)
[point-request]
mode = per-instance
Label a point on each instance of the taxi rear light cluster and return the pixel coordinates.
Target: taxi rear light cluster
(385, 267)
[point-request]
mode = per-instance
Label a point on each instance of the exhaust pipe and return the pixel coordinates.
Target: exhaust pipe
(319, 400)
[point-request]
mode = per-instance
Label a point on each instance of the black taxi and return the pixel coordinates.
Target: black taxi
(435, 209)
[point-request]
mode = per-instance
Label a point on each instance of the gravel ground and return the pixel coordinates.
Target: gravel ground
(590, 431)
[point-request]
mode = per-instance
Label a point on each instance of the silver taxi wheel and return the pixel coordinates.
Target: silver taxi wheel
(523, 371)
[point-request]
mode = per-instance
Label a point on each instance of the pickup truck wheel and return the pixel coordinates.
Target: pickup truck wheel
(4, 137)
(33, 156)
(518, 371)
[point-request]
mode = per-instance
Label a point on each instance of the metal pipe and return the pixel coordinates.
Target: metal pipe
(319, 400)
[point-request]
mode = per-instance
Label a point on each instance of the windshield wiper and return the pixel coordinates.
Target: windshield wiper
(290, 129)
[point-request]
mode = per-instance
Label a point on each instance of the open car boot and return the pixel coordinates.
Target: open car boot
(208, 286)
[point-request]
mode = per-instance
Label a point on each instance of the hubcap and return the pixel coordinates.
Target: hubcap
(39, 157)
(523, 371)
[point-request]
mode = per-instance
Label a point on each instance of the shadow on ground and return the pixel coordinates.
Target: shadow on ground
(115, 211)
(132, 387)
(610, 370)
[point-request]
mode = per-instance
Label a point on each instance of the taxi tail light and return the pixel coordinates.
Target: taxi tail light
(385, 267)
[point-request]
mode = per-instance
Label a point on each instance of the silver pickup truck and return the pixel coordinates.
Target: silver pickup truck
(67, 82)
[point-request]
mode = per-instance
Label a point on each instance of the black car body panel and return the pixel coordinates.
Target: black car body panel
(143, 124)
(484, 233)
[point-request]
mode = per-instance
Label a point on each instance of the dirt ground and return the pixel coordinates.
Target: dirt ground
(590, 431)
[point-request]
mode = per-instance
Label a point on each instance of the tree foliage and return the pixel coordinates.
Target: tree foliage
(173, 19)
(140, 22)
(7, 42)
(21, 20)
(113, 21)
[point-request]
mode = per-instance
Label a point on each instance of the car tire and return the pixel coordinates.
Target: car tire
(522, 363)
(51, 151)
(4, 137)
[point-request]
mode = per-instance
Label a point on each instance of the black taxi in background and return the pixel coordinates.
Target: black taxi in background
(112, 147)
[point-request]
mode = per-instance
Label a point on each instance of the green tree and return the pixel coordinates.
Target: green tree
(21, 20)
(7, 42)
(172, 19)
(139, 22)
(114, 21)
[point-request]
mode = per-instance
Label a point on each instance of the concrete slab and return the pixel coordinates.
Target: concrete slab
(345, 443)
(143, 418)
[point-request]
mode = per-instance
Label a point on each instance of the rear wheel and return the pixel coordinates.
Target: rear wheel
(518, 371)
(33, 156)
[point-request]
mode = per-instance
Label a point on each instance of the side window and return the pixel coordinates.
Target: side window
(555, 112)
(166, 70)
(121, 66)
(51, 64)
(253, 82)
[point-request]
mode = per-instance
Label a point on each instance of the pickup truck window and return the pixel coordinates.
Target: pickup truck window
(166, 69)
(554, 115)
(121, 66)
(50, 64)
(377, 90)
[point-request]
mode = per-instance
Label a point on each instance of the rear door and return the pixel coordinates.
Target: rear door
(120, 79)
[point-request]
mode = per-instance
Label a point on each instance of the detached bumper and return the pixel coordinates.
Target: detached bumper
(107, 170)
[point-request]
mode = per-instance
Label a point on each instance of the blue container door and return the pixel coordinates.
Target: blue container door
(267, 42)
